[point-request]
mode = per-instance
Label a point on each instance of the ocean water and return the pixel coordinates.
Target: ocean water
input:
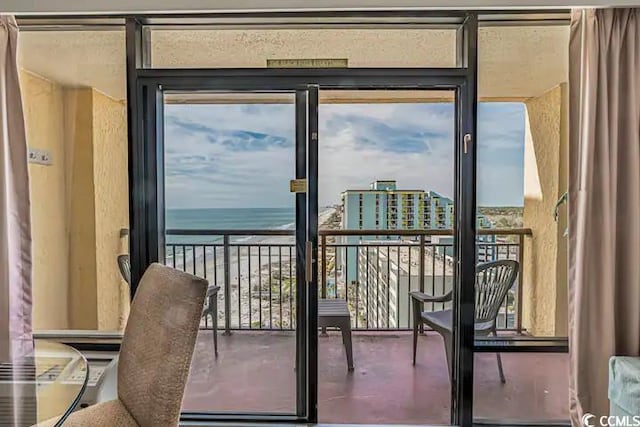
(226, 219)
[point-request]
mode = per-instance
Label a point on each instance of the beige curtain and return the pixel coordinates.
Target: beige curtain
(15, 230)
(604, 200)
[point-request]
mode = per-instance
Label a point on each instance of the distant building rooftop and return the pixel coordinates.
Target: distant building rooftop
(390, 185)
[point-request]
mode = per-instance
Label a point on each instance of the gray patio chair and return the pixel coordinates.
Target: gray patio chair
(210, 309)
(493, 281)
(125, 268)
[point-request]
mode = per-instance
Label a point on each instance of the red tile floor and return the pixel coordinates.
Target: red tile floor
(254, 372)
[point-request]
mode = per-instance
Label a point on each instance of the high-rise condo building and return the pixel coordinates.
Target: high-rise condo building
(384, 207)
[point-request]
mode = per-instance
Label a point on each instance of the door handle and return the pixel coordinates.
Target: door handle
(308, 261)
(466, 142)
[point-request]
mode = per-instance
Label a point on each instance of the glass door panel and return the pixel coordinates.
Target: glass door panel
(386, 220)
(230, 217)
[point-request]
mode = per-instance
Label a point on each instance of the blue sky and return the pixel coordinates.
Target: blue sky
(242, 155)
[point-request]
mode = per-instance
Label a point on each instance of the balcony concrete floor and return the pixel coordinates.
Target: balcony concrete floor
(254, 372)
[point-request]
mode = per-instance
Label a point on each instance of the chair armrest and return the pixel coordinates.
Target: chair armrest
(212, 290)
(422, 297)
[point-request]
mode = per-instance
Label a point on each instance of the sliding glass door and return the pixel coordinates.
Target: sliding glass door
(386, 196)
(230, 217)
(234, 163)
(231, 206)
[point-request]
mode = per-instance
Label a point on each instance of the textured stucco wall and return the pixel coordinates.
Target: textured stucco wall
(98, 206)
(240, 48)
(516, 62)
(111, 207)
(44, 112)
(81, 207)
(544, 269)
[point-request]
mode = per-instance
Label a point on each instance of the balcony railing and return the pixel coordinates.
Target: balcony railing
(374, 270)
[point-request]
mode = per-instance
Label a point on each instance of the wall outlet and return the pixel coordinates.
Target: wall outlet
(40, 157)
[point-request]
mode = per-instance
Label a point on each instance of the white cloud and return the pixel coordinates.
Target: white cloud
(205, 171)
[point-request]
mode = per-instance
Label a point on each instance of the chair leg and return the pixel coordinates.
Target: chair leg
(499, 359)
(214, 324)
(215, 340)
(448, 349)
(415, 342)
(346, 339)
(206, 320)
(417, 323)
(502, 379)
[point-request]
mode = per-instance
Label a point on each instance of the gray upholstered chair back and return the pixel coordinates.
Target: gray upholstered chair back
(493, 281)
(158, 344)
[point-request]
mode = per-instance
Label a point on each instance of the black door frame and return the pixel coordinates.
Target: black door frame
(152, 94)
(144, 89)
